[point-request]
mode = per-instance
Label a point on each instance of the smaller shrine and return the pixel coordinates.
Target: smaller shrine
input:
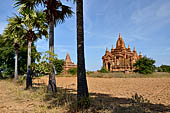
(68, 64)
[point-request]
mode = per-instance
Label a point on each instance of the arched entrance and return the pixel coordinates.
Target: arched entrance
(108, 66)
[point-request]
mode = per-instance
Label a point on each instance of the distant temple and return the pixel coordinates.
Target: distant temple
(68, 64)
(120, 58)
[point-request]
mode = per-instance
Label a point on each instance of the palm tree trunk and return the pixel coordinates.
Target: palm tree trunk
(82, 88)
(29, 54)
(52, 80)
(29, 78)
(16, 63)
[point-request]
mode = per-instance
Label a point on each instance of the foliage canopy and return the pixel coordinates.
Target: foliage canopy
(44, 67)
(145, 65)
(164, 68)
(7, 57)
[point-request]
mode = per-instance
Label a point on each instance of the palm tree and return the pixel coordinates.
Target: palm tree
(31, 25)
(15, 31)
(35, 25)
(56, 13)
(82, 88)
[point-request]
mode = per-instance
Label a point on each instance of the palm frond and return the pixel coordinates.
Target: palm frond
(28, 4)
(58, 11)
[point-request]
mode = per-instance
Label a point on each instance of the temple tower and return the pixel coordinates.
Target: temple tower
(68, 64)
(120, 58)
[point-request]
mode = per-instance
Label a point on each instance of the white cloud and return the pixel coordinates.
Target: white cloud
(149, 20)
(155, 13)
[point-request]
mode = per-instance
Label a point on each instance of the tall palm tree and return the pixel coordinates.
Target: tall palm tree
(31, 25)
(56, 13)
(15, 31)
(35, 25)
(82, 88)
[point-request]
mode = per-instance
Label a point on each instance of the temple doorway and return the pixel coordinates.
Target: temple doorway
(108, 66)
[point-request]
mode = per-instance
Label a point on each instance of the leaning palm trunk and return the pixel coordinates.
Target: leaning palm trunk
(16, 63)
(82, 88)
(52, 80)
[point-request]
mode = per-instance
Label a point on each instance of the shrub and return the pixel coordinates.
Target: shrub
(164, 68)
(89, 72)
(139, 99)
(103, 70)
(72, 71)
(58, 65)
(145, 65)
(44, 67)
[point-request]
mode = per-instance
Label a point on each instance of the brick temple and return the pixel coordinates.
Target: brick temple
(120, 58)
(68, 64)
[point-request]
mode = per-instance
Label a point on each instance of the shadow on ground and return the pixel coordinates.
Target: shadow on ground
(103, 103)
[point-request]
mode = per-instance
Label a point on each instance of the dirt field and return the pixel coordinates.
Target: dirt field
(157, 90)
(14, 99)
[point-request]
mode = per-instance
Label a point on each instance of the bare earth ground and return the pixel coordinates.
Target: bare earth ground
(157, 90)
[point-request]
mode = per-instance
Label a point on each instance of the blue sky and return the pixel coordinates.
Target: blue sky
(143, 24)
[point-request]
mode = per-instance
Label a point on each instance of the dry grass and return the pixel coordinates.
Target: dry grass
(107, 95)
(129, 75)
(121, 75)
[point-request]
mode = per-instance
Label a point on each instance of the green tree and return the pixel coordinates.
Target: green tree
(7, 57)
(103, 70)
(145, 65)
(30, 25)
(15, 32)
(35, 25)
(72, 71)
(58, 64)
(43, 66)
(164, 68)
(56, 13)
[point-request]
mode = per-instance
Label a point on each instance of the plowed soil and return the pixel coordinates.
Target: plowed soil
(14, 99)
(157, 90)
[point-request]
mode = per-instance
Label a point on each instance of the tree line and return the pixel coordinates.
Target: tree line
(30, 25)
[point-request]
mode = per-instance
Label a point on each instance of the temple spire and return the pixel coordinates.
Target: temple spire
(134, 49)
(120, 43)
(107, 49)
(140, 55)
(68, 59)
(120, 36)
(112, 47)
(112, 50)
(128, 47)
